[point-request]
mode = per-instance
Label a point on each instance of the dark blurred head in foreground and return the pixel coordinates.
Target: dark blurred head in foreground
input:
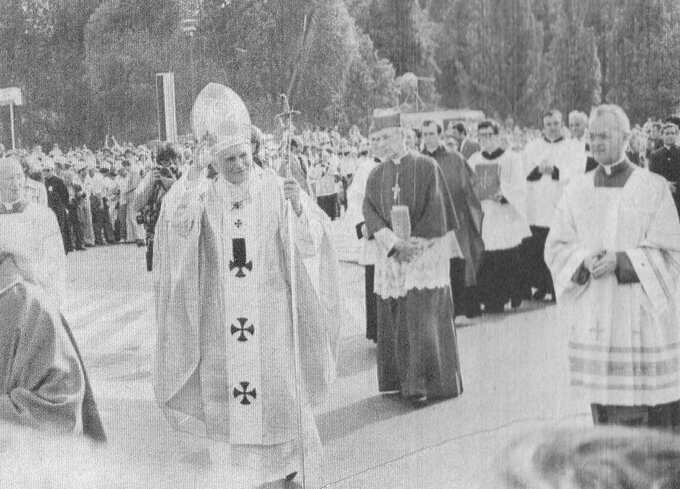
(599, 458)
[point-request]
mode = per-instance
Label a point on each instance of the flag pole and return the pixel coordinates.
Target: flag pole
(287, 117)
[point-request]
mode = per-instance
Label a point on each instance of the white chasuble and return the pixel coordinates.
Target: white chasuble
(624, 341)
(224, 364)
(34, 239)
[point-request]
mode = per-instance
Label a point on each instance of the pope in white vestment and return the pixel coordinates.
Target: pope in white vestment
(225, 355)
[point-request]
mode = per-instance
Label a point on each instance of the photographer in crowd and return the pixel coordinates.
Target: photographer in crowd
(150, 192)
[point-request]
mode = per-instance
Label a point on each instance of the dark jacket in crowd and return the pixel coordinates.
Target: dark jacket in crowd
(57, 194)
(666, 162)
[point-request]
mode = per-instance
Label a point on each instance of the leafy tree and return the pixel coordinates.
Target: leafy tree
(453, 48)
(505, 71)
(370, 84)
(402, 33)
(127, 43)
(643, 64)
(322, 82)
(41, 51)
(573, 56)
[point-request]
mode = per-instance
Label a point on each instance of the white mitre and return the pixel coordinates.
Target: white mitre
(220, 118)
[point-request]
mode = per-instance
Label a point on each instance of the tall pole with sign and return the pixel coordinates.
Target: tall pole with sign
(11, 96)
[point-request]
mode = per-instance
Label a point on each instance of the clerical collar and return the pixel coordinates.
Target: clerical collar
(397, 158)
(617, 167)
(494, 154)
(553, 141)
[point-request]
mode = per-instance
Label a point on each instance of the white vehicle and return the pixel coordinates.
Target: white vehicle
(443, 117)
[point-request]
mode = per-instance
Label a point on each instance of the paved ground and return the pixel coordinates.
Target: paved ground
(514, 375)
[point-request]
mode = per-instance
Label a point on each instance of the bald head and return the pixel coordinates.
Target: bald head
(609, 132)
(12, 180)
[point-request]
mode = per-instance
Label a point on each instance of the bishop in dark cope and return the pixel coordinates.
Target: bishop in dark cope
(409, 210)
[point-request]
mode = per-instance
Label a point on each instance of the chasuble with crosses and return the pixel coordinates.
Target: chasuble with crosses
(224, 365)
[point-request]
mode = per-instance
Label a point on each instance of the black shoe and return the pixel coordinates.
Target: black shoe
(88, 245)
(474, 313)
(539, 295)
(291, 476)
(515, 302)
(494, 309)
(80, 248)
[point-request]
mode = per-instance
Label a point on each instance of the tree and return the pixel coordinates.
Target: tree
(643, 65)
(505, 70)
(402, 33)
(41, 52)
(453, 48)
(370, 84)
(126, 43)
(323, 83)
(573, 56)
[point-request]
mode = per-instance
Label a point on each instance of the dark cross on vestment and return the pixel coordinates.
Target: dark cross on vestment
(244, 392)
(239, 255)
(238, 223)
(243, 329)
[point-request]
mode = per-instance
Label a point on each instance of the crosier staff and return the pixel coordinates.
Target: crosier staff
(287, 117)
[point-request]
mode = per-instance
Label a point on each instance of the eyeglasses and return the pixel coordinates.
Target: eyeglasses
(594, 137)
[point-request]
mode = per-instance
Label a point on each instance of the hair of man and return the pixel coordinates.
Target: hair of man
(166, 153)
(428, 123)
(489, 124)
(622, 119)
(576, 115)
(553, 113)
(460, 127)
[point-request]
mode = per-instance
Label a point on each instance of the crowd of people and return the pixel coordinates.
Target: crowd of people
(453, 218)
(90, 192)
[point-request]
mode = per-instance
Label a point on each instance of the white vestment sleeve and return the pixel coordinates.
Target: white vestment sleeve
(53, 262)
(513, 183)
(657, 260)
(564, 254)
(386, 238)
